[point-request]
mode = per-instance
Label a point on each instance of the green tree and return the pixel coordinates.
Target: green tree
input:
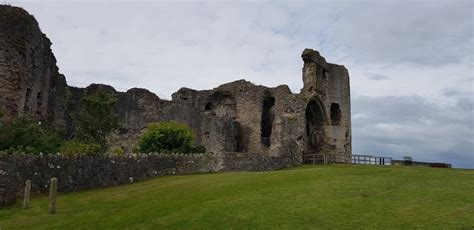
(168, 137)
(27, 135)
(96, 118)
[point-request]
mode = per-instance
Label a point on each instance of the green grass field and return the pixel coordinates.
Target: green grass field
(307, 197)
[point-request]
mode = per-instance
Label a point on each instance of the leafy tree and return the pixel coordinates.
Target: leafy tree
(168, 137)
(26, 135)
(96, 118)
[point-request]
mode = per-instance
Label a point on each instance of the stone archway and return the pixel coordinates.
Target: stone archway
(314, 126)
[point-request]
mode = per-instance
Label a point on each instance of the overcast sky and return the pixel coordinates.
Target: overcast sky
(411, 62)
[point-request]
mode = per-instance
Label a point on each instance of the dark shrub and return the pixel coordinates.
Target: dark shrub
(168, 137)
(26, 135)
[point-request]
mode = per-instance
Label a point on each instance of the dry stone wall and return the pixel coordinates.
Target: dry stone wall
(77, 173)
(238, 161)
(86, 172)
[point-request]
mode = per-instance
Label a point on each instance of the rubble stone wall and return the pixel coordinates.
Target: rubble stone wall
(77, 173)
(86, 172)
(327, 86)
(30, 83)
(238, 161)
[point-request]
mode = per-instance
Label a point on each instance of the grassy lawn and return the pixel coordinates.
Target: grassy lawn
(307, 197)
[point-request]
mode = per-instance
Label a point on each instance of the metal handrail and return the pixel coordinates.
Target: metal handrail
(345, 158)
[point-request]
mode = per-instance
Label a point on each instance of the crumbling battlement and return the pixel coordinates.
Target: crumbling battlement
(237, 117)
(29, 77)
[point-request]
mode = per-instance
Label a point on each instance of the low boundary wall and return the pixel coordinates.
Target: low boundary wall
(85, 172)
(77, 173)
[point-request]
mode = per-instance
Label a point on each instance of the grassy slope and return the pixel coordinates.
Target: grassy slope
(337, 197)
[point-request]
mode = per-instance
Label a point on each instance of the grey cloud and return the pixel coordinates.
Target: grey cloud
(392, 108)
(466, 104)
(396, 126)
(419, 32)
(457, 92)
(450, 92)
(376, 76)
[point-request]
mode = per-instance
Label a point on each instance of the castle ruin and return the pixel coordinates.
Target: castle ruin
(237, 117)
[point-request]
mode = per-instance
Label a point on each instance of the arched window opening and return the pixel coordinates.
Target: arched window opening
(267, 120)
(314, 116)
(314, 113)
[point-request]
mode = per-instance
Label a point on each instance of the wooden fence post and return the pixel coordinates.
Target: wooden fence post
(26, 198)
(53, 187)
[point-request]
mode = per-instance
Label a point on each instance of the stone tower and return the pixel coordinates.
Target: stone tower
(30, 84)
(326, 93)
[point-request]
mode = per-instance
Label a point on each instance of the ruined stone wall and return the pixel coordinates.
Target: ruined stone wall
(235, 117)
(339, 107)
(232, 117)
(327, 94)
(260, 119)
(29, 78)
(137, 108)
(226, 118)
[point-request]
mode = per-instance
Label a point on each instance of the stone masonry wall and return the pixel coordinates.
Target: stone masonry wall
(30, 84)
(326, 92)
(77, 173)
(86, 172)
(237, 161)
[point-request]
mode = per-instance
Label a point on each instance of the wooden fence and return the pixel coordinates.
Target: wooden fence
(345, 159)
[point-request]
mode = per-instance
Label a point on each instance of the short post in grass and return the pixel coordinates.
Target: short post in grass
(53, 187)
(26, 198)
